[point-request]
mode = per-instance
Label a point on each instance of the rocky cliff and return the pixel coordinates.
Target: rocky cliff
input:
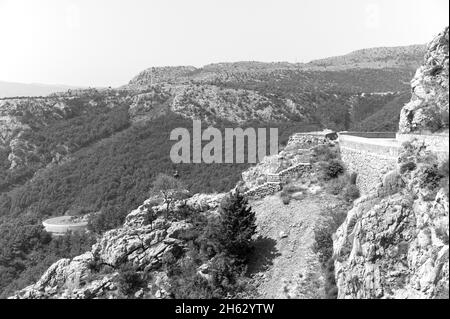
(394, 243)
(428, 108)
(139, 243)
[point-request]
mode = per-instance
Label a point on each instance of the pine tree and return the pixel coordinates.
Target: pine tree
(238, 225)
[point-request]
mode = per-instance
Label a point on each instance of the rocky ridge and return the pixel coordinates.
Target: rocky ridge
(138, 243)
(373, 58)
(428, 108)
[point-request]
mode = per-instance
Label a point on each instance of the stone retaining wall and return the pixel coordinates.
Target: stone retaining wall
(274, 181)
(307, 140)
(263, 190)
(370, 159)
(300, 169)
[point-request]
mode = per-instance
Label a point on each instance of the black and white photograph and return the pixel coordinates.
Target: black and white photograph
(221, 157)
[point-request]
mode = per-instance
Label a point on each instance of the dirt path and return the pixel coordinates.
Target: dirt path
(284, 265)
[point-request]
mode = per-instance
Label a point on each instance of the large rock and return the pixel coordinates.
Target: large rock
(428, 108)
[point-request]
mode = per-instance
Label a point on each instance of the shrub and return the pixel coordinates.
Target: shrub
(431, 177)
(323, 153)
(331, 291)
(285, 199)
(407, 167)
(224, 278)
(323, 244)
(444, 172)
(288, 190)
(129, 280)
(444, 168)
(351, 192)
(445, 119)
(337, 185)
(353, 178)
(332, 169)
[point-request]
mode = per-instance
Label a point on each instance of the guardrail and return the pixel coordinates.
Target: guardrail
(370, 134)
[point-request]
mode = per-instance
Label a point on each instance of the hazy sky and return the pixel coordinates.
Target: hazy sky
(106, 42)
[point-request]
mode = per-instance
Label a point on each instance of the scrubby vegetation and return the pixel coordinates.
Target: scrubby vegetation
(26, 251)
(290, 191)
(332, 218)
(444, 172)
(332, 169)
(129, 280)
(214, 265)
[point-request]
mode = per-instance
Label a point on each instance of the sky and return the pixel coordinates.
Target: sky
(107, 42)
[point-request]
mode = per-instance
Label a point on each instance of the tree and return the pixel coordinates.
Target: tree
(238, 225)
(169, 188)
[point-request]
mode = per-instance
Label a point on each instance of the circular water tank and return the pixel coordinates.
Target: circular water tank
(63, 224)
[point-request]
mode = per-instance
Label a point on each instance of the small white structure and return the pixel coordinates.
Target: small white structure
(59, 226)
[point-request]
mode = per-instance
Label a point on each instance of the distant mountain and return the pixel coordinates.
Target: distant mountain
(12, 89)
(407, 57)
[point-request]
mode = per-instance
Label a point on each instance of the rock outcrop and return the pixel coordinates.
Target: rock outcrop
(428, 108)
(139, 243)
(94, 274)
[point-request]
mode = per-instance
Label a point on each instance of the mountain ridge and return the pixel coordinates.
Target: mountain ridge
(16, 89)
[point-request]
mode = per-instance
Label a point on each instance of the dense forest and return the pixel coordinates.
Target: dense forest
(81, 127)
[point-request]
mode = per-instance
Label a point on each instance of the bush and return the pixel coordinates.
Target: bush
(444, 168)
(288, 190)
(444, 172)
(351, 192)
(331, 291)
(129, 280)
(323, 244)
(353, 178)
(323, 153)
(407, 167)
(285, 199)
(332, 169)
(431, 177)
(223, 278)
(337, 185)
(342, 186)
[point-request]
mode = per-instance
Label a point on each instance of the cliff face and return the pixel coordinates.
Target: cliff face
(394, 243)
(428, 108)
